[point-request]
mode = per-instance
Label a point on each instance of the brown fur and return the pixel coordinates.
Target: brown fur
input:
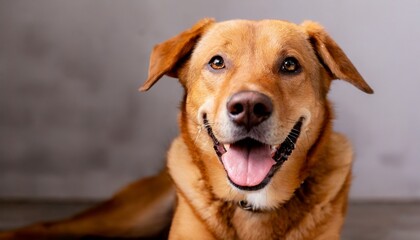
(307, 196)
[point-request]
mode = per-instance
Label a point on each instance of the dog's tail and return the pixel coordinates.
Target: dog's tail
(143, 209)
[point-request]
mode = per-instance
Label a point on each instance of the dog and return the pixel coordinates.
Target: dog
(256, 157)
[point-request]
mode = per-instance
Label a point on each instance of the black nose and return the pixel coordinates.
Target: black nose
(249, 108)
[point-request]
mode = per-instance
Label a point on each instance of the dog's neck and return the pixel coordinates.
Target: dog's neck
(247, 206)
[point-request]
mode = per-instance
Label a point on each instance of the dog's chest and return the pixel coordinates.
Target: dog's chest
(255, 225)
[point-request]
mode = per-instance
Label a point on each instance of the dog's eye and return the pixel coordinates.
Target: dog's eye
(290, 65)
(217, 62)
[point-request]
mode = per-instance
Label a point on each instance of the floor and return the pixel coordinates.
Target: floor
(365, 221)
(384, 221)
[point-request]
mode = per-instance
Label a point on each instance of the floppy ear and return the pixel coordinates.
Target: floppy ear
(166, 56)
(333, 58)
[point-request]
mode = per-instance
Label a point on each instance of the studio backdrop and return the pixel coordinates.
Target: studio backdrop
(73, 124)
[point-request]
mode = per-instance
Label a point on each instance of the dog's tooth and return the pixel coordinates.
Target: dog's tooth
(227, 146)
(220, 149)
(273, 150)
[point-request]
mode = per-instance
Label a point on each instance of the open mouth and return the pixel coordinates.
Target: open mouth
(249, 163)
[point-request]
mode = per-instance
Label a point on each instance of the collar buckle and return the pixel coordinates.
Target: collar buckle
(246, 206)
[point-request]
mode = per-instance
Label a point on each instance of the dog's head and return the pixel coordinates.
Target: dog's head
(255, 101)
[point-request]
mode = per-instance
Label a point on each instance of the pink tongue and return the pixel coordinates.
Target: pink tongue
(248, 165)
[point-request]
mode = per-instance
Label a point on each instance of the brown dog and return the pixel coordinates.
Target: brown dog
(257, 157)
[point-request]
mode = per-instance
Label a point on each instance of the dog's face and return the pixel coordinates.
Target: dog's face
(255, 101)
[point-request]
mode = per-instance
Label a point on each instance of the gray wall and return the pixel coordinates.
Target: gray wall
(72, 124)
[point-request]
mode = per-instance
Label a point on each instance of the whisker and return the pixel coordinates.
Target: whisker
(200, 129)
(290, 120)
(306, 135)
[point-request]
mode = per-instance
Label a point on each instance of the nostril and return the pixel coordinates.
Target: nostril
(261, 110)
(236, 109)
